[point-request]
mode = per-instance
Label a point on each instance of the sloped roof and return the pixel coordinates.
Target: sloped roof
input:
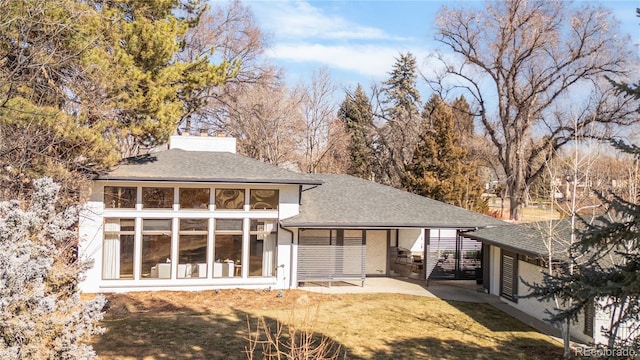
(529, 238)
(203, 166)
(347, 202)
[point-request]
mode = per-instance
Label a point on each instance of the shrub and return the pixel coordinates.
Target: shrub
(41, 313)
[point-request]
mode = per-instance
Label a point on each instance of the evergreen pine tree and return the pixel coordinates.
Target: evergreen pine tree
(606, 271)
(90, 81)
(401, 114)
(463, 119)
(357, 115)
(607, 275)
(439, 169)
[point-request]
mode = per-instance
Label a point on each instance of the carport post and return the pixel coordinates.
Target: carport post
(426, 236)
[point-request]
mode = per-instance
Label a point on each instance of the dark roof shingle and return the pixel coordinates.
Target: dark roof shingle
(347, 201)
(535, 239)
(203, 166)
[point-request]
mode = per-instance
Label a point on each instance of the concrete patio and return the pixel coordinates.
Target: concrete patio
(460, 290)
(448, 290)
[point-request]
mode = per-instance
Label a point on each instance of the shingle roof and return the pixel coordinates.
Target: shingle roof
(530, 238)
(203, 166)
(346, 201)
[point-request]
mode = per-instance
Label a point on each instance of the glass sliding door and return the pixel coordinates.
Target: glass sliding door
(156, 249)
(228, 248)
(262, 248)
(192, 248)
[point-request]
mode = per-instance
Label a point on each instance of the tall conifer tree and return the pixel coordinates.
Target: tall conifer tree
(357, 115)
(90, 81)
(439, 169)
(401, 115)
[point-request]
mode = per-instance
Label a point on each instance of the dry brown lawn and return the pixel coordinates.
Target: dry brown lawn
(213, 325)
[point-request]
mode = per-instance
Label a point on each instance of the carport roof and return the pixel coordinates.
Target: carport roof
(344, 201)
(529, 238)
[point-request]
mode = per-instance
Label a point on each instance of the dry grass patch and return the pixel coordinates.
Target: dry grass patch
(213, 325)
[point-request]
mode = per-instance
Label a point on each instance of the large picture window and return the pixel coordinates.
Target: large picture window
(192, 248)
(262, 248)
(229, 199)
(194, 198)
(228, 248)
(156, 248)
(264, 199)
(120, 197)
(181, 244)
(117, 249)
(157, 198)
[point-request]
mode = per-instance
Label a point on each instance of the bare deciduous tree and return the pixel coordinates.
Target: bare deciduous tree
(230, 31)
(319, 111)
(524, 63)
(266, 121)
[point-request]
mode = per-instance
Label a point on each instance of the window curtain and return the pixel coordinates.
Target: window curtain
(268, 254)
(111, 250)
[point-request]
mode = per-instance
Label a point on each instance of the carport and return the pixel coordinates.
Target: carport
(351, 229)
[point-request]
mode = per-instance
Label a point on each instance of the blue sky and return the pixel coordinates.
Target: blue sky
(358, 41)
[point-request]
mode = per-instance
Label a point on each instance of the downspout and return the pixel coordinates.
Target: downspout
(290, 250)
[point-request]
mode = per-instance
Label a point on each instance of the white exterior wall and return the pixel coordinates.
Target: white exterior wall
(446, 233)
(602, 322)
(494, 274)
(91, 232)
(533, 274)
(412, 239)
(531, 306)
(376, 262)
(289, 203)
(90, 247)
(286, 259)
(287, 242)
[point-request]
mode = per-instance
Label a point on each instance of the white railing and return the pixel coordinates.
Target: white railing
(331, 263)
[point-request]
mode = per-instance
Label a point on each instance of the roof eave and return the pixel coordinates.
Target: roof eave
(343, 225)
(209, 180)
(506, 246)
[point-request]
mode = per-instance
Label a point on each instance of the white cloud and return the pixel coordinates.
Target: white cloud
(305, 37)
(301, 20)
(374, 61)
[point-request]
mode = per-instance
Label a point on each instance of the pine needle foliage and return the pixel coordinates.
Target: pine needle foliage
(439, 169)
(606, 269)
(357, 114)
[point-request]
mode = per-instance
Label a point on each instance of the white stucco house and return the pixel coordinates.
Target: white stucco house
(514, 255)
(198, 216)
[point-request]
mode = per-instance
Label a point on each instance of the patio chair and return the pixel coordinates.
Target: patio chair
(417, 264)
(403, 256)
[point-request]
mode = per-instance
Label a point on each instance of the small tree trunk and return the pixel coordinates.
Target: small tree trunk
(566, 338)
(515, 208)
(517, 193)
